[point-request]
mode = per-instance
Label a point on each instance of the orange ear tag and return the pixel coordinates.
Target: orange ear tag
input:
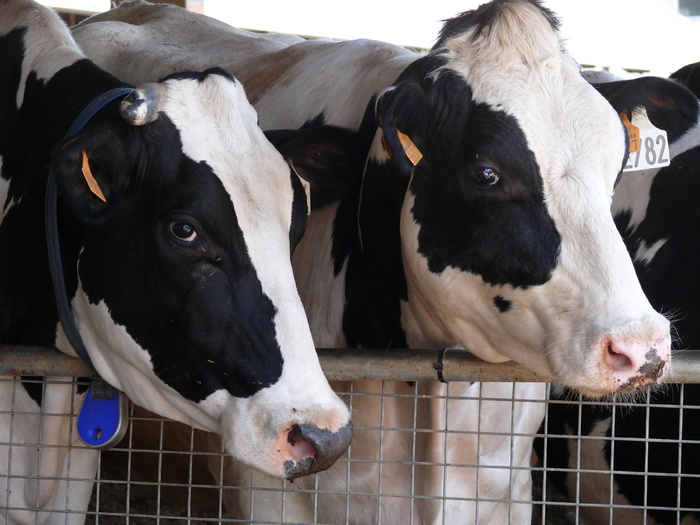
(90, 179)
(412, 152)
(633, 132)
(387, 150)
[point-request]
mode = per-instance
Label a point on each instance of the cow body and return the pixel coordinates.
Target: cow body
(497, 237)
(179, 277)
(656, 440)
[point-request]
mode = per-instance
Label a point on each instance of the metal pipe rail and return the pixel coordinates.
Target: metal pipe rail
(350, 364)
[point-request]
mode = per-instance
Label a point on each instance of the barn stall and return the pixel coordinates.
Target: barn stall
(161, 471)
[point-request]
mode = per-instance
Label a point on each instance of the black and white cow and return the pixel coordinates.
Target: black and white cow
(178, 275)
(656, 451)
(482, 221)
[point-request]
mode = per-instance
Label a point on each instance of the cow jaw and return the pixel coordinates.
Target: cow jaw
(293, 428)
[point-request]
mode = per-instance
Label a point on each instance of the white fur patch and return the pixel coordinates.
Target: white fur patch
(646, 253)
(689, 140)
(4, 190)
(632, 195)
(321, 291)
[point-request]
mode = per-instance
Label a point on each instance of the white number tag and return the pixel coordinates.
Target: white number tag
(648, 144)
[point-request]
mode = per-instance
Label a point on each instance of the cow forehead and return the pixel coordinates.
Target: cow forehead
(218, 126)
(527, 74)
(576, 138)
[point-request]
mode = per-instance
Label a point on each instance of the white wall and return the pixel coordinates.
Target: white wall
(632, 34)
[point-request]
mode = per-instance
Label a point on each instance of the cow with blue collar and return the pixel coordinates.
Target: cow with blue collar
(655, 458)
(481, 221)
(175, 221)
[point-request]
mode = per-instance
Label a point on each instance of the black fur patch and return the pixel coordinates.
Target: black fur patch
(503, 305)
(200, 76)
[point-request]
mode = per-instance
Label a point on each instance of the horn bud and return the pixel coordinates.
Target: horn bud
(142, 105)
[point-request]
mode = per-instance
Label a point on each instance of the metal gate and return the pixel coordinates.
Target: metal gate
(162, 471)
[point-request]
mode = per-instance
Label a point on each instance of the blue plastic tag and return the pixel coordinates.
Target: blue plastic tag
(103, 415)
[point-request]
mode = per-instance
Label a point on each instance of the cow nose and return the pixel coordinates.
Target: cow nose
(313, 449)
(635, 364)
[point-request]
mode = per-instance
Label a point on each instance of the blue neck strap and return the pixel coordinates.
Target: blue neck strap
(101, 421)
(50, 219)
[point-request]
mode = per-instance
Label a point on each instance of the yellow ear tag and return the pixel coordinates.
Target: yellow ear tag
(90, 179)
(412, 152)
(633, 132)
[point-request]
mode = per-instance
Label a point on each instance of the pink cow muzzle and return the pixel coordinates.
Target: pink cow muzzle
(307, 449)
(635, 364)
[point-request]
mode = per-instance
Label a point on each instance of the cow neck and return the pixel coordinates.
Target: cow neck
(102, 415)
(65, 315)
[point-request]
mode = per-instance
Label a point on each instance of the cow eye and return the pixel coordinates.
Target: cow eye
(183, 231)
(486, 176)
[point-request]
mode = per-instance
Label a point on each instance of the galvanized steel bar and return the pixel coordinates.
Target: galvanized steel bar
(417, 365)
(349, 364)
(39, 361)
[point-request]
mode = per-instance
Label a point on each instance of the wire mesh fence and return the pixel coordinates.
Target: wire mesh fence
(593, 461)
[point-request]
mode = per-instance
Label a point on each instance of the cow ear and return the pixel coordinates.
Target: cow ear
(89, 172)
(669, 105)
(398, 112)
(415, 113)
(329, 158)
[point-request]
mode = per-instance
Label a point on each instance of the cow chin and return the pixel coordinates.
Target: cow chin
(595, 355)
(622, 362)
(285, 440)
(297, 426)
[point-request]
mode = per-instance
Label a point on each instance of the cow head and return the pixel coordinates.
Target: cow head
(185, 295)
(509, 158)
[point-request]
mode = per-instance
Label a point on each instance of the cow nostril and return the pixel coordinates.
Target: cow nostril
(618, 361)
(300, 448)
(312, 449)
